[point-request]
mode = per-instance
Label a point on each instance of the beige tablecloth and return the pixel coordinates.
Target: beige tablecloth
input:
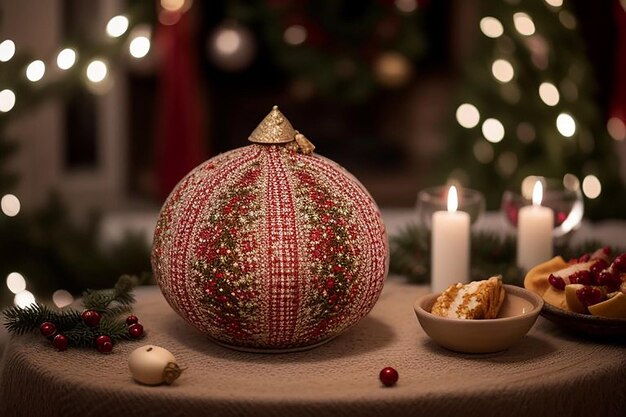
(549, 373)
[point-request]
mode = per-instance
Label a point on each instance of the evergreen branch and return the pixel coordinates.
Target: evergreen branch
(121, 293)
(491, 254)
(123, 290)
(20, 320)
(116, 311)
(116, 329)
(82, 335)
(70, 323)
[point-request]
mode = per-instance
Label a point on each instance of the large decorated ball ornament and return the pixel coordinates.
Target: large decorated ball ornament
(269, 246)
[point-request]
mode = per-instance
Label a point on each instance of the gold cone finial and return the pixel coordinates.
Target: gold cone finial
(275, 128)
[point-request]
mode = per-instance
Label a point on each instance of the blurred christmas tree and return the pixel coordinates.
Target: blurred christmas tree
(347, 49)
(527, 107)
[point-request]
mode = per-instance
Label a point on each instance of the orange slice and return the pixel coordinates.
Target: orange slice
(614, 307)
(536, 279)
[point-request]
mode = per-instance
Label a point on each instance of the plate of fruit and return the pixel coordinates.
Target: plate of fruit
(586, 295)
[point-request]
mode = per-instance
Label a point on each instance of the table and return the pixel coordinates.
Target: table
(549, 372)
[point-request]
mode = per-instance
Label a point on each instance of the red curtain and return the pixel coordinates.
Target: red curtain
(618, 107)
(180, 128)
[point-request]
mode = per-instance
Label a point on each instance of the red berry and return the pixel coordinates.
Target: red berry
(609, 279)
(104, 344)
(599, 266)
(91, 318)
(581, 277)
(47, 329)
(556, 282)
(584, 258)
(135, 330)
(60, 342)
(388, 376)
(130, 320)
(619, 263)
(589, 295)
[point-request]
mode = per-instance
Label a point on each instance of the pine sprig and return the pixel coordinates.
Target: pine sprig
(113, 304)
(116, 329)
(82, 335)
(121, 293)
(491, 254)
(20, 320)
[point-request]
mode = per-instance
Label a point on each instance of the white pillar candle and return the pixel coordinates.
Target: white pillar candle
(450, 248)
(534, 232)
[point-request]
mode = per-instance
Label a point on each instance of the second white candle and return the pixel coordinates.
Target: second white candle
(534, 232)
(450, 249)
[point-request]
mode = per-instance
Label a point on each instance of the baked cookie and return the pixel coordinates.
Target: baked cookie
(476, 300)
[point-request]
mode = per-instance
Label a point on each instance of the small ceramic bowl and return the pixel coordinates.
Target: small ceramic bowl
(517, 315)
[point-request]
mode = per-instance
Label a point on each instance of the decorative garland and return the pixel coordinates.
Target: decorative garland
(99, 325)
(491, 254)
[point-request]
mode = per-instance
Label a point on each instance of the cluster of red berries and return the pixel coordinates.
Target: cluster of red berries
(593, 271)
(91, 318)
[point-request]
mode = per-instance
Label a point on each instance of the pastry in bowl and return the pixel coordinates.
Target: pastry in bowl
(476, 300)
(453, 318)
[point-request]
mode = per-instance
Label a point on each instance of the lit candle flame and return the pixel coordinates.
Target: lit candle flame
(537, 193)
(453, 199)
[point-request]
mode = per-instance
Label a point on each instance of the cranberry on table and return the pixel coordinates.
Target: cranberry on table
(104, 344)
(60, 342)
(47, 329)
(91, 318)
(135, 330)
(388, 376)
(130, 320)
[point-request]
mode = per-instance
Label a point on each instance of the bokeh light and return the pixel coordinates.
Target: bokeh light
(139, 46)
(295, 35)
(7, 50)
(523, 24)
(616, 128)
(493, 130)
(16, 282)
(502, 70)
(62, 298)
(24, 299)
(66, 58)
(592, 187)
(7, 100)
(35, 70)
(467, 115)
(10, 205)
(566, 125)
(555, 3)
(491, 27)
(117, 26)
(549, 94)
(406, 6)
(96, 71)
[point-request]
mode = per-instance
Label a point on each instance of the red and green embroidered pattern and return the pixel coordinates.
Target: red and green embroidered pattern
(225, 263)
(333, 256)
